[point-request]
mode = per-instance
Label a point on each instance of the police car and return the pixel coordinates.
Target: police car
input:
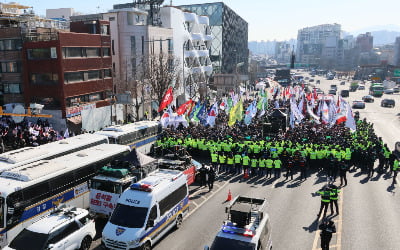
(247, 228)
(65, 228)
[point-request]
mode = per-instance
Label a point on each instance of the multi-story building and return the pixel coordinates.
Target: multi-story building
(397, 52)
(229, 51)
(365, 42)
(70, 73)
(192, 42)
(318, 44)
(17, 22)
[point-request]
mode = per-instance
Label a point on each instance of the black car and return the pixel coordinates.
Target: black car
(368, 98)
(344, 93)
(342, 83)
(388, 103)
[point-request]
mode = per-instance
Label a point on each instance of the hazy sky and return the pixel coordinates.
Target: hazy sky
(268, 19)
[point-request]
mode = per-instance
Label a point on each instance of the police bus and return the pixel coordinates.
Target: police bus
(29, 192)
(140, 135)
(22, 156)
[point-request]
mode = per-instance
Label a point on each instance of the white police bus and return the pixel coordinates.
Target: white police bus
(140, 135)
(147, 211)
(29, 192)
(22, 156)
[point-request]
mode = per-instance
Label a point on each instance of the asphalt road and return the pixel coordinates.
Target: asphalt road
(369, 214)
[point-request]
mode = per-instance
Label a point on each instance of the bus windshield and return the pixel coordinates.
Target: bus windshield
(1, 212)
(129, 216)
(110, 187)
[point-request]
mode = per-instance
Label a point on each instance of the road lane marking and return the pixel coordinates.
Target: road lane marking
(338, 221)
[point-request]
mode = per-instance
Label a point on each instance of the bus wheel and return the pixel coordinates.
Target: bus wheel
(146, 246)
(86, 242)
(178, 222)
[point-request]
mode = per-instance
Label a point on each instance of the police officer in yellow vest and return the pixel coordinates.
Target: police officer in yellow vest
(238, 163)
(396, 168)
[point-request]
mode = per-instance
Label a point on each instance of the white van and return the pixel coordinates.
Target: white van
(147, 210)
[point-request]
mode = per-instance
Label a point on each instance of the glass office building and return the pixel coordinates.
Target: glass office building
(230, 37)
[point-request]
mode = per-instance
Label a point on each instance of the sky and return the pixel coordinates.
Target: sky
(268, 19)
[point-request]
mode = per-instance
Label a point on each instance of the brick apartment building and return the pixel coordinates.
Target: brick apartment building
(71, 72)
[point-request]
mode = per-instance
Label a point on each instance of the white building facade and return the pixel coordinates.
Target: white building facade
(132, 41)
(192, 41)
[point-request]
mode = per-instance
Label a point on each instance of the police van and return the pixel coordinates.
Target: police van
(147, 211)
(248, 226)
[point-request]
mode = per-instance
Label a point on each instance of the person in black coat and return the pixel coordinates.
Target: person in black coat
(327, 229)
(203, 176)
(211, 178)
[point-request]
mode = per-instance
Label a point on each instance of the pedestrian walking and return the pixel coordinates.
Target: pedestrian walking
(343, 172)
(203, 175)
(334, 196)
(210, 178)
(325, 193)
(396, 168)
(327, 229)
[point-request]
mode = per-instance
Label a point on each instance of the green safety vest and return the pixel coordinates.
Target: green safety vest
(246, 160)
(238, 158)
(222, 158)
(277, 163)
(253, 163)
(214, 157)
(230, 160)
(325, 195)
(334, 194)
(396, 165)
(313, 155)
(261, 163)
(269, 163)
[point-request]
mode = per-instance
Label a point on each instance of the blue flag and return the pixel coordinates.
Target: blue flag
(202, 114)
(195, 110)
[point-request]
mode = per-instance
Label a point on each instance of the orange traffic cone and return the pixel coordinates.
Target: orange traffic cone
(246, 175)
(229, 196)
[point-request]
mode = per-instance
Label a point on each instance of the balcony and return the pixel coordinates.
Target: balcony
(190, 17)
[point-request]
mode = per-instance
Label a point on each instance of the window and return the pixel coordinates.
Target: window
(133, 46)
(172, 199)
(63, 232)
(129, 17)
(70, 77)
(93, 75)
(85, 173)
(104, 29)
(92, 52)
(39, 54)
(10, 44)
(2, 212)
(142, 45)
(112, 47)
(61, 182)
(170, 46)
(106, 52)
(12, 88)
(44, 78)
(94, 97)
(9, 67)
(107, 73)
(72, 52)
(36, 193)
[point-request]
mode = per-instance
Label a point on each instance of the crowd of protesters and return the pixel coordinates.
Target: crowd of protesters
(243, 149)
(18, 135)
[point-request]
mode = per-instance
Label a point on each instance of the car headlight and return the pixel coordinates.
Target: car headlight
(133, 242)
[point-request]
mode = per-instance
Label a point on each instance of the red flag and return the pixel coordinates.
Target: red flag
(167, 99)
(184, 107)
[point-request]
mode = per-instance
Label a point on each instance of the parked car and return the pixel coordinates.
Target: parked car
(342, 83)
(368, 98)
(361, 87)
(388, 91)
(358, 104)
(396, 89)
(388, 103)
(64, 228)
(311, 80)
(332, 92)
(334, 86)
(318, 81)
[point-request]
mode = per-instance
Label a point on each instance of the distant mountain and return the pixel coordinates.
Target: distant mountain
(383, 34)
